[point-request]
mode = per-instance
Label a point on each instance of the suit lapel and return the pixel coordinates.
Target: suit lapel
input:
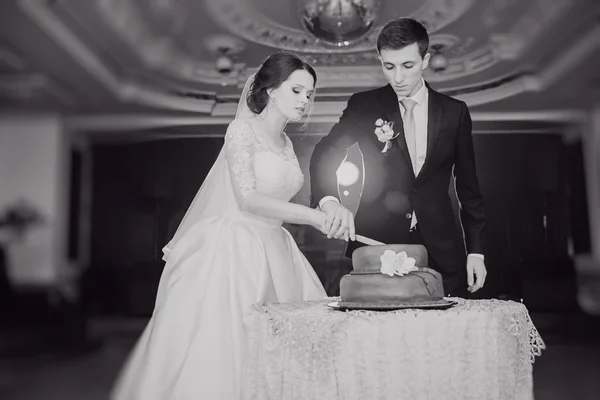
(434, 122)
(391, 109)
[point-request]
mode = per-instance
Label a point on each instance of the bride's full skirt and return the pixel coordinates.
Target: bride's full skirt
(192, 347)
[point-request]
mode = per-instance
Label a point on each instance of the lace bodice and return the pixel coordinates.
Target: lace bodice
(256, 163)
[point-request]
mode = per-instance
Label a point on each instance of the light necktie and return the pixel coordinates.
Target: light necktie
(410, 130)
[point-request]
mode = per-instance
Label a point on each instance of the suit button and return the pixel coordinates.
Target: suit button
(414, 190)
(408, 215)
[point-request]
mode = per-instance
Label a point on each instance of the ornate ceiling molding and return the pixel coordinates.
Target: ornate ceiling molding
(123, 89)
(241, 19)
(533, 22)
(31, 87)
(158, 52)
(162, 54)
(491, 90)
(172, 11)
(10, 60)
(504, 46)
(20, 84)
(329, 111)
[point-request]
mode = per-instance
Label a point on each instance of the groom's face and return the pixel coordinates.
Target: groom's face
(403, 68)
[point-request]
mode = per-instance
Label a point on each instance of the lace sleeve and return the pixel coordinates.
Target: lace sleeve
(239, 150)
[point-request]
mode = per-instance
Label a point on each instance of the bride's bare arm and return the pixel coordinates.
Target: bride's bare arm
(267, 206)
(239, 149)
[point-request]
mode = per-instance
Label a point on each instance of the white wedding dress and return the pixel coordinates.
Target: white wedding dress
(219, 264)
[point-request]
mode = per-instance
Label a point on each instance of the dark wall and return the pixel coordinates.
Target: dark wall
(524, 182)
(142, 190)
(577, 194)
(140, 193)
(74, 204)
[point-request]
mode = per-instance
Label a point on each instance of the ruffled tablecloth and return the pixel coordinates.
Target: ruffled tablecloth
(478, 349)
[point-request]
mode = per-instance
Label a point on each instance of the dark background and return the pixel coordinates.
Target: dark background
(533, 185)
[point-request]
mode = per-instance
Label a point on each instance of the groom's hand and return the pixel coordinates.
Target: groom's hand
(476, 273)
(340, 221)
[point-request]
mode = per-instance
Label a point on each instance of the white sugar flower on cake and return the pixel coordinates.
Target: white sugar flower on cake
(397, 263)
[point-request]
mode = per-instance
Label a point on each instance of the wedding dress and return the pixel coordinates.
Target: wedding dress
(220, 262)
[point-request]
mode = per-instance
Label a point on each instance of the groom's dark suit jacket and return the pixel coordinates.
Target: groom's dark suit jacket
(391, 190)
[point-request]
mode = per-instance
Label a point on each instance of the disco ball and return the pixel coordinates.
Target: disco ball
(339, 22)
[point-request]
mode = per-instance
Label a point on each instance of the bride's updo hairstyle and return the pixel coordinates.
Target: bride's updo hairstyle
(275, 70)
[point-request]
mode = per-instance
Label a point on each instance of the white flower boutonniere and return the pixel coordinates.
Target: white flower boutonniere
(385, 133)
(397, 263)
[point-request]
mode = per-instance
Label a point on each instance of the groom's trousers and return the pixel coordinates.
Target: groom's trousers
(455, 282)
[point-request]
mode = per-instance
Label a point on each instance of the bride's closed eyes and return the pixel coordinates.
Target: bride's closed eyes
(298, 90)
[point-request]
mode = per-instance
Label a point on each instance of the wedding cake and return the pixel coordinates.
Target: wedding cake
(394, 276)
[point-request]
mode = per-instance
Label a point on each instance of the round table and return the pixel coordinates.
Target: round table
(478, 349)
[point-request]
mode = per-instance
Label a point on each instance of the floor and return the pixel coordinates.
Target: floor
(568, 369)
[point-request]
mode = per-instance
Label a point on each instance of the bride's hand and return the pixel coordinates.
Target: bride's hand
(320, 222)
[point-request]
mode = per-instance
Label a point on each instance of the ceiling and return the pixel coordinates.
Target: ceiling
(101, 62)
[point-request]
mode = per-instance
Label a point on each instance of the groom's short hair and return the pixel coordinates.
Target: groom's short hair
(403, 32)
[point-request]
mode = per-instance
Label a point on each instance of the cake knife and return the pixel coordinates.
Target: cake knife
(368, 241)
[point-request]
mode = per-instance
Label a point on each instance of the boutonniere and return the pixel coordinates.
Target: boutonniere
(385, 133)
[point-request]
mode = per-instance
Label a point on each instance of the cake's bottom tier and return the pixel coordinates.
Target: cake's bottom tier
(381, 288)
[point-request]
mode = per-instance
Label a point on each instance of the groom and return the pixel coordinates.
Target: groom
(413, 140)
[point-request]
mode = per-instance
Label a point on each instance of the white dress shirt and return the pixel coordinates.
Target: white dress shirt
(421, 98)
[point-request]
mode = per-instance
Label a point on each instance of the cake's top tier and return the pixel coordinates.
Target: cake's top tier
(368, 258)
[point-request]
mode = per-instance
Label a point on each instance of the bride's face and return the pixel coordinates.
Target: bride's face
(292, 99)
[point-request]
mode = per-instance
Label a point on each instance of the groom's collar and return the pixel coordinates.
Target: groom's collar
(389, 98)
(421, 96)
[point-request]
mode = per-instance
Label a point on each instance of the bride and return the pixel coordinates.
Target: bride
(230, 250)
